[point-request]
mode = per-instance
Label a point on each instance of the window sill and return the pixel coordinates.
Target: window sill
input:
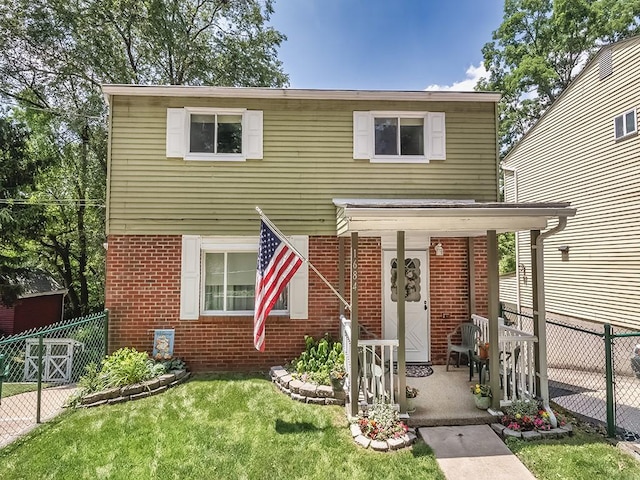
(626, 135)
(214, 158)
(244, 313)
(398, 159)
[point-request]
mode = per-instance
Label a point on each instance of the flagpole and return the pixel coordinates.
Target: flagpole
(281, 236)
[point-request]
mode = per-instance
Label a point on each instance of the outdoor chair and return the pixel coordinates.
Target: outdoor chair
(484, 375)
(469, 333)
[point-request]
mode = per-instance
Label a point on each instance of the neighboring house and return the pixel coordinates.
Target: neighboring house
(586, 150)
(376, 170)
(41, 303)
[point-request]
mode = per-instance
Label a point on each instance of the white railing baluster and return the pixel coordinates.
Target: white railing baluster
(518, 376)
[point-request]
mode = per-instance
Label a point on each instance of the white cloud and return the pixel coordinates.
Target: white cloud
(467, 85)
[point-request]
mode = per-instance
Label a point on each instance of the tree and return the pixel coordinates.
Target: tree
(55, 54)
(539, 49)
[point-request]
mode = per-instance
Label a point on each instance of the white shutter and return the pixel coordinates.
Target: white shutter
(176, 132)
(436, 136)
(190, 278)
(299, 285)
(362, 135)
(253, 129)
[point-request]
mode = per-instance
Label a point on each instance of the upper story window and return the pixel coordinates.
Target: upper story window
(214, 134)
(625, 124)
(401, 137)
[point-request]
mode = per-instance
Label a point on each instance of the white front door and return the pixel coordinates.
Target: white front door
(416, 303)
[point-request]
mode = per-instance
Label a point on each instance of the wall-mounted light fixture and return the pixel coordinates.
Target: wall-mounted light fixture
(564, 250)
(438, 249)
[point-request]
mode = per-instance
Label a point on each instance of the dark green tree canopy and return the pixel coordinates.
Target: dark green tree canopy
(54, 56)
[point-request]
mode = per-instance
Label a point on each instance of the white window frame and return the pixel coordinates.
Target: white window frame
(364, 136)
(193, 276)
(624, 124)
(225, 246)
(178, 135)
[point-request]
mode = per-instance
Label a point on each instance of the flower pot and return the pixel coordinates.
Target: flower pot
(411, 405)
(337, 384)
(482, 402)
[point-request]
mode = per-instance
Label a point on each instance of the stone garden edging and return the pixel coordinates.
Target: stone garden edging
(504, 432)
(305, 392)
(135, 391)
(325, 395)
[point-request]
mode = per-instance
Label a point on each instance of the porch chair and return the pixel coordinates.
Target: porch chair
(484, 375)
(469, 333)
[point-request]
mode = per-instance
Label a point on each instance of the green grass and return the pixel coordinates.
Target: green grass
(215, 426)
(9, 389)
(583, 456)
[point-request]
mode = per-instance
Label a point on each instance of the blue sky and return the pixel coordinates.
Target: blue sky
(385, 45)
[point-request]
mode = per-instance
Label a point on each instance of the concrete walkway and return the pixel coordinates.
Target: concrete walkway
(473, 451)
(18, 412)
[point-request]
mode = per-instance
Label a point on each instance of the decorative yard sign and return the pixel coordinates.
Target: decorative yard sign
(163, 344)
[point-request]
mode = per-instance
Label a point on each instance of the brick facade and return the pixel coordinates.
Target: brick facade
(143, 294)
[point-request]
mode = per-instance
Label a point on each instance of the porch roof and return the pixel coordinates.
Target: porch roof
(467, 218)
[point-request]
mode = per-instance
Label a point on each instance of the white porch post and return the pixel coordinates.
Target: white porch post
(400, 289)
(355, 329)
(494, 307)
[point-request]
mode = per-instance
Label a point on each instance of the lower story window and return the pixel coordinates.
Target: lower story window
(229, 283)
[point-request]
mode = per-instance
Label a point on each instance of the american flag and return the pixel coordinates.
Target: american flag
(277, 263)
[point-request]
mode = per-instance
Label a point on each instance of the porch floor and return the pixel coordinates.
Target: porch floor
(445, 399)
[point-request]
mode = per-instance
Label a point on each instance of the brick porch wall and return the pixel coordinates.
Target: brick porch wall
(143, 294)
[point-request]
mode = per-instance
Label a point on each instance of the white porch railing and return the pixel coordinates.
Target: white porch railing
(376, 359)
(517, 363)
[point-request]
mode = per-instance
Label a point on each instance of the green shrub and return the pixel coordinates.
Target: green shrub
(319, 359)
(92, 380)
(126, 366)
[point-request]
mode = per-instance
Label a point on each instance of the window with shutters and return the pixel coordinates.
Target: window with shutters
(214, 134)
(403, 137)
(218, 277)
(625, 124)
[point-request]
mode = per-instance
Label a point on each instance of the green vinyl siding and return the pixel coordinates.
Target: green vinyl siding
(571, 155)
(308, 161)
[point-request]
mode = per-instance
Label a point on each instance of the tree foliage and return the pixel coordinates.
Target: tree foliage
(55, 54)
(539, 49)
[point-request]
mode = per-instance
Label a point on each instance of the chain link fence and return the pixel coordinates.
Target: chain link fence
(39, 369)
(594, 371)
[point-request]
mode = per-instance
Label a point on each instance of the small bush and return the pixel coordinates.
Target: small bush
(525, 415)
(319, 359)
(125, 367)
(92, 380)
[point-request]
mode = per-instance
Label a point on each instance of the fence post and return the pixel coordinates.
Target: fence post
(39, 398)
(611, 413)
(106, 332)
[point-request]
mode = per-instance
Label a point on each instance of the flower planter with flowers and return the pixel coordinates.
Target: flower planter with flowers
(481, 395)
(380, 428)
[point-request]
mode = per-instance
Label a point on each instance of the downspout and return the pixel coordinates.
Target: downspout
(542, 316)
(515, 194)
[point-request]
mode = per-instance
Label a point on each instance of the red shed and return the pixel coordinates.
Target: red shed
(41, 303)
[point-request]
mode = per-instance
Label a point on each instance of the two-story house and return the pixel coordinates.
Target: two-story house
(340, 173)
(586, 150)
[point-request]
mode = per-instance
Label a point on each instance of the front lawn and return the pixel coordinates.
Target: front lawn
(214, 426)
(584, 456)
(10, 389)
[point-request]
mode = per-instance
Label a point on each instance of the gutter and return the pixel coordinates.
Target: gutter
(542, 332)
(515, 192)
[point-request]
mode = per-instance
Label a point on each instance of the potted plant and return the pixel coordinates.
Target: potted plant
(337, 376)
(482, 395)
(412, 393)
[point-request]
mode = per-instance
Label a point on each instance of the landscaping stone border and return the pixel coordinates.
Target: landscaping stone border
(325, 395)
(305, 392)
(403, 441)
(136, 391)
(504, 432)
